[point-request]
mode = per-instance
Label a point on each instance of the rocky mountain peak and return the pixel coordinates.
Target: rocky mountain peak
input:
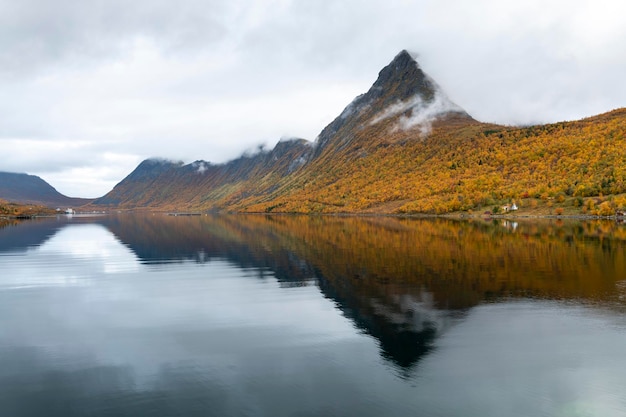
(402, 79)
(402, 92)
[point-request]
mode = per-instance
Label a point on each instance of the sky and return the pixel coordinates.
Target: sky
(90, 88)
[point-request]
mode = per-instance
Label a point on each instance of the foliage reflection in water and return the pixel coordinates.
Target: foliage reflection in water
(158, 315)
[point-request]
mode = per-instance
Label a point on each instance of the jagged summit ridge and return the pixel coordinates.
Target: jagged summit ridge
(403, 91)
(403, 79)
(411, 94)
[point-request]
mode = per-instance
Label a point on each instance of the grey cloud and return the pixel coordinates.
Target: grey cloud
(53, 157)
(208, 79)
(35, 33)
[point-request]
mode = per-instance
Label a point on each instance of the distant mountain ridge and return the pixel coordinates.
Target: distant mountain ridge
(157, 182)
(31, 189)
(401, 147)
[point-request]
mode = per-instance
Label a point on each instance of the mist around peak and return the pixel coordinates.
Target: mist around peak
(418, 112)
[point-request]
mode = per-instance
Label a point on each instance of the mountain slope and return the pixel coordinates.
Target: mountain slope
(402, 147)
(166, 184)
(472, 167)
(30, 189)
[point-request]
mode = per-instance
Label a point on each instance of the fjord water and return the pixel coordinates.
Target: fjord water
(154, 315)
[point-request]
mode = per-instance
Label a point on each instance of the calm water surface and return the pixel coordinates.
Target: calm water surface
(301, 316)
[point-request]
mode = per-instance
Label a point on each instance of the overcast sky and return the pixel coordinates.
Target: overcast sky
(90, 88)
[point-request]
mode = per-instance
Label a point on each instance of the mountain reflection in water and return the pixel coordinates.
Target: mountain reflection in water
(151, 315)
(299, 251)
(402, 281)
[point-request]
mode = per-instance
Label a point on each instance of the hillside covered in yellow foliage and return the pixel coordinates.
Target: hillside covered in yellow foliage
(403, 148)
(9, 210)
(473, 167)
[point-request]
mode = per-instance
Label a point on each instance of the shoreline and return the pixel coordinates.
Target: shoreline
(456, 216)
